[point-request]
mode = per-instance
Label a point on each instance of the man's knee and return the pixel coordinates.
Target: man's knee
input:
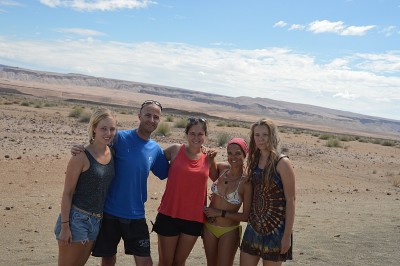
(108, 261)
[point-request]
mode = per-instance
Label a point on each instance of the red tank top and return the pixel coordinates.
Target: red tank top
(186, 191)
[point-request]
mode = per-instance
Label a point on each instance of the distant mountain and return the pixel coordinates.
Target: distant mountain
(243, 108)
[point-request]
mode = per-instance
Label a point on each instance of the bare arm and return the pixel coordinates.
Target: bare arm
(247, 199)
(171, 151)
(214, 171)
(286, 171)
(76, 165)
(247, 196)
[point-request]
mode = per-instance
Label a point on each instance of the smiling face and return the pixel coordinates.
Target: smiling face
(196, 135)
(235, 155)
(105, 131)
(149, 118)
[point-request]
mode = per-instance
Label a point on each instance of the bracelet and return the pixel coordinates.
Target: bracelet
(223, 213)
(65, 222)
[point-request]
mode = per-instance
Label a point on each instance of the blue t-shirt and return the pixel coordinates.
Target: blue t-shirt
(134, 159)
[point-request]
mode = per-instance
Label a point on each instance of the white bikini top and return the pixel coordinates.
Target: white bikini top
(233, 197)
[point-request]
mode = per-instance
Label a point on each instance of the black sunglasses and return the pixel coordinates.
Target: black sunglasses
(194, 120)
(151, 102)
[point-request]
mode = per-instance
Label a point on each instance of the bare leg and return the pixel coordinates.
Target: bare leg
(74, 254)
(143, 261)
(109, 261)
(271, 263)
(166, 249)
(227, 247)
(248, 260)
(210, 243)
(183, 249)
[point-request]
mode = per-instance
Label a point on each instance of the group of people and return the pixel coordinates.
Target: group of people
(106, 188)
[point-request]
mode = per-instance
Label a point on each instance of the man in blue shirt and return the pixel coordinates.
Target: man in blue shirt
(136, 154)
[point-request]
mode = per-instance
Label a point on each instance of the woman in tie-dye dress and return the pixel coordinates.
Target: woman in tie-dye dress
(268, 233)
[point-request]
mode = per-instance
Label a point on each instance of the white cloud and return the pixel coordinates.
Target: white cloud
(346, 95)
(338, 27)
(83, 32)
(51, 3)
(389, 31)
(379, 63)
(322, 26)
(280, 24)
(103, 5)
(277, 73)
(297, 27)
(356, 31)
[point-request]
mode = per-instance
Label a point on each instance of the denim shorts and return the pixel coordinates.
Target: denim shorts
(83, 226)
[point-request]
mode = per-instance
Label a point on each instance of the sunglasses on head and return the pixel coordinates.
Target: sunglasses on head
(196, 120)
(151, 102)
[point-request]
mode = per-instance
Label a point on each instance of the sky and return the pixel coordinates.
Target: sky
(339, 54)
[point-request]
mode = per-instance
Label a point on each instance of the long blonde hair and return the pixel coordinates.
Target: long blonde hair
(254, 153)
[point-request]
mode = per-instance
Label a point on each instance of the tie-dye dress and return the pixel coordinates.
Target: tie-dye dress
(266, 223)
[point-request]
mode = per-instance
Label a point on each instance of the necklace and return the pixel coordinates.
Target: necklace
(226, 180)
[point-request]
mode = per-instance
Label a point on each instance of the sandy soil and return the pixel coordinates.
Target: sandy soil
(347, 213)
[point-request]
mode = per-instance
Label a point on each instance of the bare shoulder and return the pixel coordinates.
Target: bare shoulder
(173, 147)
(223, 166)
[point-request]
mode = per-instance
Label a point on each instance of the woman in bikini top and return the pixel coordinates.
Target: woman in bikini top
(230, 191)
(231, 197)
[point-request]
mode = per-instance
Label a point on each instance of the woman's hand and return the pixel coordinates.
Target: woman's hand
(211, 153)
(76, 149)
(211, 212)
(285, 244)
(65, 235)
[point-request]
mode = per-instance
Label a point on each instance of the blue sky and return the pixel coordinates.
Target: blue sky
(340, 54)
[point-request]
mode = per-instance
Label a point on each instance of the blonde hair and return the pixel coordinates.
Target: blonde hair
(254, 153)
(96, 117)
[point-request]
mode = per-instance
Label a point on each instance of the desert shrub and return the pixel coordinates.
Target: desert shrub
(388, 143)
(377, 141)
(374, 172)
(181, 123)
(326, 136)
(285, 149)
(24, 103)
(393, 178)
(346, 138)
(223, 138)
(38, 105)
(221, 124)
(163, 129)
(76, 112)
(170, 118)
(335, 143)
(48, 104)
(364, 140)
(85, 117)
(233, 124)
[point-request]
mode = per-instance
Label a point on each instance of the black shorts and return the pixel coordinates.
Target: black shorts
(134, 232)
(168, 226)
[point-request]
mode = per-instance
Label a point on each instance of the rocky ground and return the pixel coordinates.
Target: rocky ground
(348, 197)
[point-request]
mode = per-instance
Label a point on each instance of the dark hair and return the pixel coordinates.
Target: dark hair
(151, 102)
(194, 121)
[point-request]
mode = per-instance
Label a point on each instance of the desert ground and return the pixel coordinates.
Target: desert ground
(347, 197)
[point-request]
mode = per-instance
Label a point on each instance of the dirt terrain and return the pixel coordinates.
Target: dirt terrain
(347, 206)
